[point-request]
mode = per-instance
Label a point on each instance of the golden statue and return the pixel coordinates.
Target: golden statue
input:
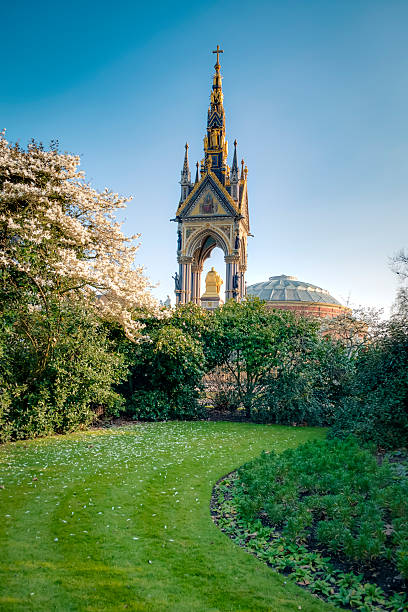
(213, 282)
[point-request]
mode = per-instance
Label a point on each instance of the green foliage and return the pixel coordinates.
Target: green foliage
(332, 492)
(310, 378)
(68, 389)
(280, 368)
(165, 371)
(376, 408)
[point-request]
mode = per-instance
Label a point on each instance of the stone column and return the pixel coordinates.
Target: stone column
(232, 268)
(179, 295)
(242, 283)
(196, 271)
(185, 278)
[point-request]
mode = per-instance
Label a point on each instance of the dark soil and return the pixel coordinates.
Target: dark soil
(212, 415)
(221, 415)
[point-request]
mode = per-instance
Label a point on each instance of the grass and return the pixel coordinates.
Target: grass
(119, 519)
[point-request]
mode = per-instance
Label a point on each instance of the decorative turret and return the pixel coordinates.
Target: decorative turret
(185, 177)
(234, 176)
(215, 145)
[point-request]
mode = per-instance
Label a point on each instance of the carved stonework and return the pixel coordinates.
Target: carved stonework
(227, 230)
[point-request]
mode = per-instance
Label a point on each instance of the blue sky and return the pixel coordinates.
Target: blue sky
(316, 93)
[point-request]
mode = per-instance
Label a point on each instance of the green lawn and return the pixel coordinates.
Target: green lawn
(119, 519)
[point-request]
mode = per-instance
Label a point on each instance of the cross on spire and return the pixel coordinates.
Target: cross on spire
(218, 51)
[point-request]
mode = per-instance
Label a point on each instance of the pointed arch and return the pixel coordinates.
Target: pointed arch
(204, 241)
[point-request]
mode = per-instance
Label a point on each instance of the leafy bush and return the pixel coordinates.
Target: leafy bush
(332, 491)
(71, 389)
(165, 371)
(305, 387)
(376, 409)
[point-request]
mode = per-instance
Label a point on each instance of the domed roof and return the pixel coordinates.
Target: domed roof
(289, 289)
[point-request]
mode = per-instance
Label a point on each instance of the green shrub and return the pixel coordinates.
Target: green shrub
(311, 377)
(165, 372)
(376, 409)
(73, 387)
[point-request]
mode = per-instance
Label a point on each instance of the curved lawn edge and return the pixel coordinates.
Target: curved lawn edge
(118, 519)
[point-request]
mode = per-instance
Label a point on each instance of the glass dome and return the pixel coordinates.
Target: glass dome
(289, 289)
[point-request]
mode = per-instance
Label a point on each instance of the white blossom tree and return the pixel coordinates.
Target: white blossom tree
(59, 237)
(65, 270)
(400, 267)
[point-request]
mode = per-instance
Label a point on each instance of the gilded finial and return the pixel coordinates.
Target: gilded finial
(242, 168)
(235, 143)
(218, 51)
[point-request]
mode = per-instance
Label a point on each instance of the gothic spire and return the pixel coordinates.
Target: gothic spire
(185, 176)
(234, 169)
(215, 145)
(185, 173)
(234, 175)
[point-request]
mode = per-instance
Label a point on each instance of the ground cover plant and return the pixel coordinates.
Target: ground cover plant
(329, 514)
(119, 519)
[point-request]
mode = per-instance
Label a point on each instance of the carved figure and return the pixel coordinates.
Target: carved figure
(236, 247)
(219, 282)
(179, 241)
(177, 282)
(235, 281)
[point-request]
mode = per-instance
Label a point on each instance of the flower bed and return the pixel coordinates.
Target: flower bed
(330, 515)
